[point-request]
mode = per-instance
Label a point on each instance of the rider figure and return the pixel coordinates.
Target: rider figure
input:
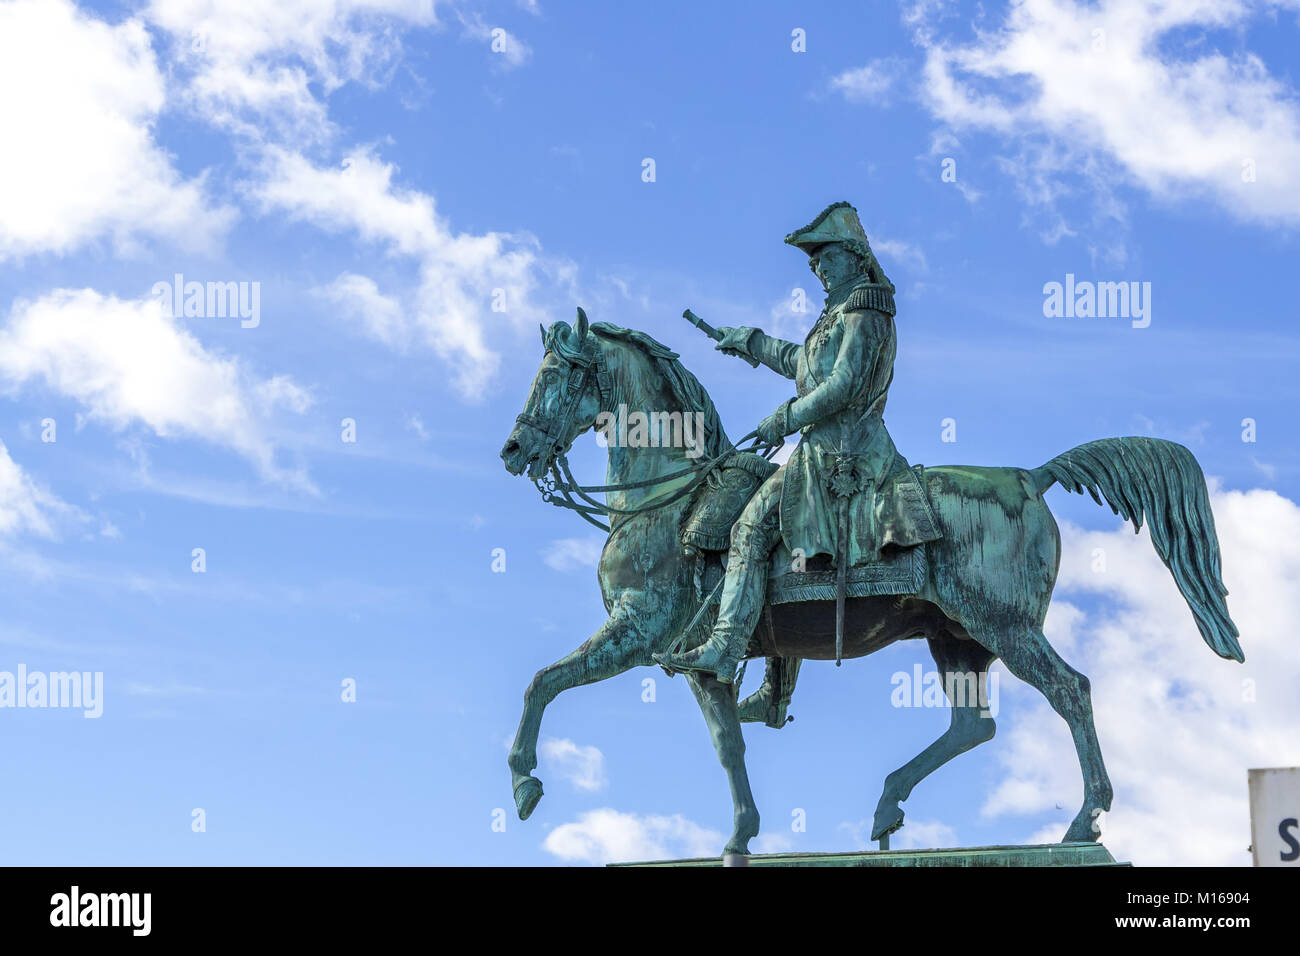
(842, 374)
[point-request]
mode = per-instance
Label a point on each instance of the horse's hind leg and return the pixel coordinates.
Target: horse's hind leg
(963, 666)
(1031, 658)
(616, 647)
(718, 702)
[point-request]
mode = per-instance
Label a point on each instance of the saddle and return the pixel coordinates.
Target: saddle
(721, 498)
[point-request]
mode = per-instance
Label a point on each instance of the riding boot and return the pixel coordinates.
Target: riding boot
(770, 702)
(721, 654)
(743, 594)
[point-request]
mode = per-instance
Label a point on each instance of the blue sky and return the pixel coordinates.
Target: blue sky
(378, 169)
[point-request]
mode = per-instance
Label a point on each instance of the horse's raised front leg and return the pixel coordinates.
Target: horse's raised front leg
(718, 703)
(971, 725)
(616, 647)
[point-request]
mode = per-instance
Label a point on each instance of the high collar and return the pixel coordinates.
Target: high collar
(839, 293)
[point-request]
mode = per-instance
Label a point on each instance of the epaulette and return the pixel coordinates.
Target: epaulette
(871, 295)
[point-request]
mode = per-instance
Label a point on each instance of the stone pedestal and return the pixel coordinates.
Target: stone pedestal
(1049, 854)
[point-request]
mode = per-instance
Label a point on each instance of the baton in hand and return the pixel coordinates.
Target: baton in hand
(712, 333)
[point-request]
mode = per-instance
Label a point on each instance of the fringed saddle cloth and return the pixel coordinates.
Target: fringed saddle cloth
(898, 571)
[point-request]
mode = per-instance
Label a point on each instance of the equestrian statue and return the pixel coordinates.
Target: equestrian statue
(715, 555)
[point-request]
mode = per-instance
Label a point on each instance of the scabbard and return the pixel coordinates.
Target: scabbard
(841, 575)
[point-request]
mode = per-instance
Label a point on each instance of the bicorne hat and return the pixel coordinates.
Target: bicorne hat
(838, 222)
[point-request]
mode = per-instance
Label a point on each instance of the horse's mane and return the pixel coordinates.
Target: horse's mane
(685, 387)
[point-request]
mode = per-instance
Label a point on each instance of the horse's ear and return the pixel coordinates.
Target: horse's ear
(582, 326)
(543, 331)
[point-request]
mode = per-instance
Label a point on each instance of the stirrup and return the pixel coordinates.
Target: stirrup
(666, 657)
(670, 662)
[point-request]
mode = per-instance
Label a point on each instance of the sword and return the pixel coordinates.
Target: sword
(711, 332)
(841, 576)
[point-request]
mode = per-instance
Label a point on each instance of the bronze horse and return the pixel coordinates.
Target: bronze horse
(985, 596)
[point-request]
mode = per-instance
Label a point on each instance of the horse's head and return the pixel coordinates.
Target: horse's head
(563, 402)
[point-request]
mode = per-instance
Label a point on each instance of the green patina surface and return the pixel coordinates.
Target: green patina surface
(846, 495)
(1051, 854)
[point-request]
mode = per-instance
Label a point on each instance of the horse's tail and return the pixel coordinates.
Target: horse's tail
(1159, 480)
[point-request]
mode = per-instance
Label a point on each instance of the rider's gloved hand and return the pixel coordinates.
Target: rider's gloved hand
(773, 429)
(735, 341)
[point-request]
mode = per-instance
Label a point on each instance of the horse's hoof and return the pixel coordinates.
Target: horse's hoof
(888, 819)
(527, 794)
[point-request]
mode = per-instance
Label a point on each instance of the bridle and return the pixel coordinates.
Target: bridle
(590, 363)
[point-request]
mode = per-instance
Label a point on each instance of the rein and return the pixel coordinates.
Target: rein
(565, 485)
(559, 487)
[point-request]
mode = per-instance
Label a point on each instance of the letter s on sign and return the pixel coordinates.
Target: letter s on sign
(1290, 823)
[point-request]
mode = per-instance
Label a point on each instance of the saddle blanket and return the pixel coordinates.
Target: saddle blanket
(897, 572)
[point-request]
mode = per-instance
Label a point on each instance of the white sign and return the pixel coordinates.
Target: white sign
(1275, 816)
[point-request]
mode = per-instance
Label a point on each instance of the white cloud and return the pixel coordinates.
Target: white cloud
(249, 65)
(608, 836)
(867, 83)
(1269, 471)
(416, 424)
(1119, 86)
(924, 835)
(24, 505)
(1177, 728)
(265, 71)
(582, 766)
(915, 835)
(507, 49)
(945, 148)
(784, 322)
(572, 554)
(461, 275)
(777, 842)
(80, 161)
(126, 363)
(281, 391)
(381, 317)
(902, 251)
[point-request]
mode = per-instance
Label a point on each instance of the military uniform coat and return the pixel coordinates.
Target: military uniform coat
(842, 374)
